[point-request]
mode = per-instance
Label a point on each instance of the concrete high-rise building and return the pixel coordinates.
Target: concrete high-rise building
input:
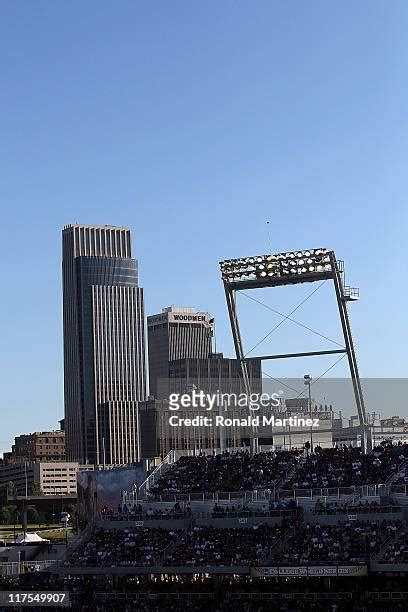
(104, 344)
(175, 333)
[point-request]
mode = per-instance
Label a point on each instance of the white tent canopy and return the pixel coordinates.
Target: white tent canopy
(30, 538)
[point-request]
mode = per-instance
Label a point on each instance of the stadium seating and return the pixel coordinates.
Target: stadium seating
(398, 551)
(197, 568)
(347, 466)
(211, 546)
(351, 542)
(123, 547)
(325, 468)
(227, 472)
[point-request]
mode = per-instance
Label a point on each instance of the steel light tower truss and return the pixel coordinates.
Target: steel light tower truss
(292, 268)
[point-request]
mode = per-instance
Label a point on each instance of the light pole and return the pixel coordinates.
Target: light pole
(308, 381)
(65, 516)
(26, 478)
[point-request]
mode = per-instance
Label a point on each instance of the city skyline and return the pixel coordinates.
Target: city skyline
(147, 316)
(194, 127)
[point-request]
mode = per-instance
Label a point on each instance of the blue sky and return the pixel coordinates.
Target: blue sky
(193, 124)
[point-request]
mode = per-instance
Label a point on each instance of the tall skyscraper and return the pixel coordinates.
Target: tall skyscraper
(175, 333)
(104, 344)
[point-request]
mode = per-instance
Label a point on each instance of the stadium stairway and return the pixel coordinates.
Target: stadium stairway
(278, 547)
(391, 540)
(75, 542)
(401, 470)
(280, 485)
(171, 547)
(399, 495)
(155, 475)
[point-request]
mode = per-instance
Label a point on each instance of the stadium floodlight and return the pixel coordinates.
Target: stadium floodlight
(272, 270)
(291, 268)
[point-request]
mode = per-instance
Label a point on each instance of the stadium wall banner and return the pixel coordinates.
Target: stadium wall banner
(263, 572)
(102, 488)
(293, 571)
(352, 570)
(318, 570)
(312, 570)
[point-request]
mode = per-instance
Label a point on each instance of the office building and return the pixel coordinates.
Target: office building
(175, 333)
(104, 344)
(219, 375)
(37, 446)
(212, 375)
(45, 478)
(159, 437)
(392, 429)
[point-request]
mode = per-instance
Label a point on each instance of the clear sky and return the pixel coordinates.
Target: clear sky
(193, 123)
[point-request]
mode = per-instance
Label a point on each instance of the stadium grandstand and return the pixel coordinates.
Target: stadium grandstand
(285, 530)
(345, 466)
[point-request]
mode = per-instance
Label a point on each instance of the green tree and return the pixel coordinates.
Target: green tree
(32, 514)
(11, 489)
(5, 515)
(9, 514)
(35, 489)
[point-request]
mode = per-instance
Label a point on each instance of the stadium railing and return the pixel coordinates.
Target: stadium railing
(360, 510)
(11, 568)
(141, 493)
(399, 489)
(219, 496)
(128, 522)
(115, 596)
(382, 566)
(287, 596)
(323, 492)
(387, 595)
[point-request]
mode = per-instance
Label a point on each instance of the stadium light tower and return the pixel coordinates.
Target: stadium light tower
(290, 269)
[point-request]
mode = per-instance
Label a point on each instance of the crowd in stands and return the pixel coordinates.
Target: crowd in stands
(138, 547)
(123, 547)
(211, 546)
(236, 471)
(138, 512)
(351, 542)
(279, 507)
(402, 478)
(347, 466)
(397, 552)
(366, 507)
(343, 466)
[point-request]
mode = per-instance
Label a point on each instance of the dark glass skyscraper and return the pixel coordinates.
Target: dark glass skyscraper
(104, 344)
